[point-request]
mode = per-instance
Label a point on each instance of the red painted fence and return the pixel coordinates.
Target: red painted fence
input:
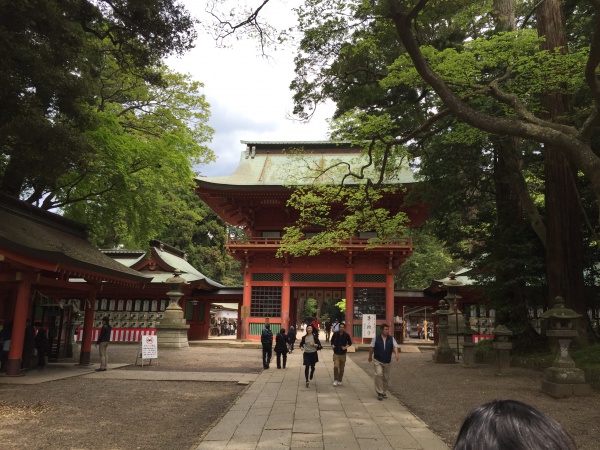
(481, 337)
(120, 334)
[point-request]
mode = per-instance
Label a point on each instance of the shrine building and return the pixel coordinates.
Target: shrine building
(254, 197)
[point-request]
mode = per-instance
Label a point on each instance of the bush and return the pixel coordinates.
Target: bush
(484, 353)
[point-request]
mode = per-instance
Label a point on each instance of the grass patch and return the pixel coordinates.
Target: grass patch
(587, 357)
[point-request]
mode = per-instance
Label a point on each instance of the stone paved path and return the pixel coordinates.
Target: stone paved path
(279, 411)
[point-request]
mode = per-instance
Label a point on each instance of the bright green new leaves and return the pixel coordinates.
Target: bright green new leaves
(337, 214)
(144, 150)
(513, 58)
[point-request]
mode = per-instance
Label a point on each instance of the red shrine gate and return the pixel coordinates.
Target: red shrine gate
(255, 197)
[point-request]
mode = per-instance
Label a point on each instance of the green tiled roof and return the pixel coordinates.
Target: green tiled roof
(270, 164)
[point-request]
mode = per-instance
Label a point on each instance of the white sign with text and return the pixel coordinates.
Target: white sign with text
(149, 347)
(369, 325)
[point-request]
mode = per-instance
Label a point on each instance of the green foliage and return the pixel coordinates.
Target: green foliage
(310, 310)
(195, 229)
(337, 214)
(144, 153)
(484, 353)
(587, 357)
(341, 305)
(428, 261)
(54, 56)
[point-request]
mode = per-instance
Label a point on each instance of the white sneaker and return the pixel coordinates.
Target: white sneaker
(339, 383)
(335, 382)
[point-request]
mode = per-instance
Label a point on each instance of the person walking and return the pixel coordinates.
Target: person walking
(383, 346)
(102, 343)
(336, 325)
(41, 345)
(28, 345)
(340, 341)
(310, 344)
(291, 338)
(5, 340)
(266, 339)
(327, 329)
(315, 327)
(281, 348)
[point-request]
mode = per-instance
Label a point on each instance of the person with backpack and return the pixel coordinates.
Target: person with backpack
(266, 339)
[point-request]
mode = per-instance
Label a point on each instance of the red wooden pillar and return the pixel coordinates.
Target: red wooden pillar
(246, 303)
(88, 325)
(285, 300)
(207, 318)
(238, 331)
(389, 300)
(13, 365)
(350, 300)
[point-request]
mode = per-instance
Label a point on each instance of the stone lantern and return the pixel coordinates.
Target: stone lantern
(563, 379)
(172, 329)
(503, 346)
(452, 285)
(443, 353)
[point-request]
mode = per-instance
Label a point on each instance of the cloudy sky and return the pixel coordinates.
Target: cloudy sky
(249, 94)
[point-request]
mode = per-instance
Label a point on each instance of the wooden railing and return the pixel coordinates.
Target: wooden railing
(266, 242)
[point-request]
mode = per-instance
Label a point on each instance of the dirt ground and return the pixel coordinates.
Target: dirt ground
(442, 394)
(85, 413)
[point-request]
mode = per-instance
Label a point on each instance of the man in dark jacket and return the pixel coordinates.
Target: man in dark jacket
(41, 345)
(383, 346)
(28, 345)
(102, 343)
(340, 341)
(266, 339)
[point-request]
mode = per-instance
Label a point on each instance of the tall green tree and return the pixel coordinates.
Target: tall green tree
(445, 58)
(53, 56)
(195, 228)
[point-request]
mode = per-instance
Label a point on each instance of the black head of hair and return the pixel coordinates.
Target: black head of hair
(511, 425)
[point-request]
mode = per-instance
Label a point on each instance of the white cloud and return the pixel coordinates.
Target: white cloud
(249, 94)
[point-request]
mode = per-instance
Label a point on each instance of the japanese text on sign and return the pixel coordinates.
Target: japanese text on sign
(369, 325)
(149, 347)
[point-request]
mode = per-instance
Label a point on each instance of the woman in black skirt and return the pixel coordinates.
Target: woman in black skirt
(310, 344)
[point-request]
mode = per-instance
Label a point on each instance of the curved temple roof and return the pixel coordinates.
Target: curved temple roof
(266, 164)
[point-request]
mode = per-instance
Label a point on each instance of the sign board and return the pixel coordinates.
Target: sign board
(369, 325)
(245, 311)
(149, 347)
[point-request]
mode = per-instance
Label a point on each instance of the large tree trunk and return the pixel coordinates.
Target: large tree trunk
(508, 207)
(564, 249)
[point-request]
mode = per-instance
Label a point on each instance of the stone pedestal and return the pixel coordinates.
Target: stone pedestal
(172, 329)
(468, 354)
(563, 379)
(443, 353)
(502, 356)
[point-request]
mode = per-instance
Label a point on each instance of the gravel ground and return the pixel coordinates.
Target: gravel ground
(82, 413)
(442, 394)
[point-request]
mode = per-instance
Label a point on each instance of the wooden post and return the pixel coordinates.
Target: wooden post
(285, 299)
(350, 301)
(13, 365)
(88, 325)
